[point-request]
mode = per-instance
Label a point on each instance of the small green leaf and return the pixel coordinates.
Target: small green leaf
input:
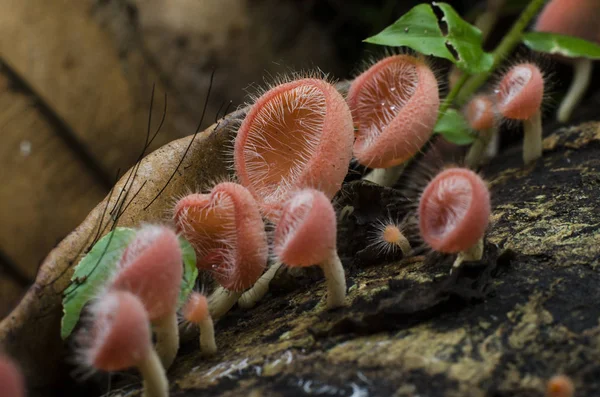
(190, 271)
(454, 128)
(420, 30)
(91, 274)
(568, 46)
(95, 269)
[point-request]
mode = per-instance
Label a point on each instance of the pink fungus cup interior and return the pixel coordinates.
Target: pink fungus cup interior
(479, 113)
(306, 232)
(395, 106)
(577, 18)
(120, 335)
(298, 134)
(12, 383)
(151, 267)
(520, 92)
(227, 232)
(454, 210)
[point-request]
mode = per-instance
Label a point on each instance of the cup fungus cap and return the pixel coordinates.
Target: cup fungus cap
(479, 113)
(196, 308)
(577, 18)
(298, 134)
(151, 267)
(454, 210)
(395, 106)
(120, 334)
(227, 232)
(560, 386)
(12, 383)
(520, 92)
(306, 232)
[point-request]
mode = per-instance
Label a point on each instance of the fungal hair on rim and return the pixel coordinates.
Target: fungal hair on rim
(272, 126)
(97, 326)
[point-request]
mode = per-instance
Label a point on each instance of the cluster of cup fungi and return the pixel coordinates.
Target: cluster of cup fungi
(291, 154)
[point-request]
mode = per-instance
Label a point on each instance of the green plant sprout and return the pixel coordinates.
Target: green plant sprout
(452, 38)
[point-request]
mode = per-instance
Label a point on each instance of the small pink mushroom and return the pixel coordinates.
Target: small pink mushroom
(12, 383)
(227, 232)
(560, 386)
(119, 338)
(454, 211)
(578, 18)
(298, 134)
(196, 312)
(481, 116)
(519, 96)
(306, 235)
(395, 106)
(151, 267)
(388, 237)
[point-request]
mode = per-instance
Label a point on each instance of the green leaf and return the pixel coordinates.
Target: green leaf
(454, 128)
(190, 271)
(91, 274)
(420, 30)
(95, 269)
(568, 46)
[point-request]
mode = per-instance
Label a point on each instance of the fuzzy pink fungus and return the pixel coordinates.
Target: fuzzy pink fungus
(119, 338)
(306, 235)
(519, 96)
(395, 106)
(480, 113)
(227, 232)
(12, 383)
(454, 210)
(577, 18)
(298, 134)
(196, 312)
(151, 267)
(560, 386)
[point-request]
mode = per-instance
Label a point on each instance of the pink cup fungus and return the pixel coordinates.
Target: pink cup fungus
(519, 96)
(578, 18)
(306, 235)
(481, 115)
(395, 106)
(12, 383)
(454, 211)
(151, 268)
(119, 338)
(298, 134)
(560, 386)
(227, 232)
(388, 237)
(196, 312)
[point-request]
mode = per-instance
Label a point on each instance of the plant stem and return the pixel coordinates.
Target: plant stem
(510, 41)
(452, 94)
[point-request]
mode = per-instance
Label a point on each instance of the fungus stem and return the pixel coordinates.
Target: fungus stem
(207, 337)
(479, 148)
(475, 253)
(155, 380)
(251, 297)
(404, 246)
(167, 338)
(221, 301)
(510, 41)
(532, 140)
(385, 176)
(336, 281)
(581, 80)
